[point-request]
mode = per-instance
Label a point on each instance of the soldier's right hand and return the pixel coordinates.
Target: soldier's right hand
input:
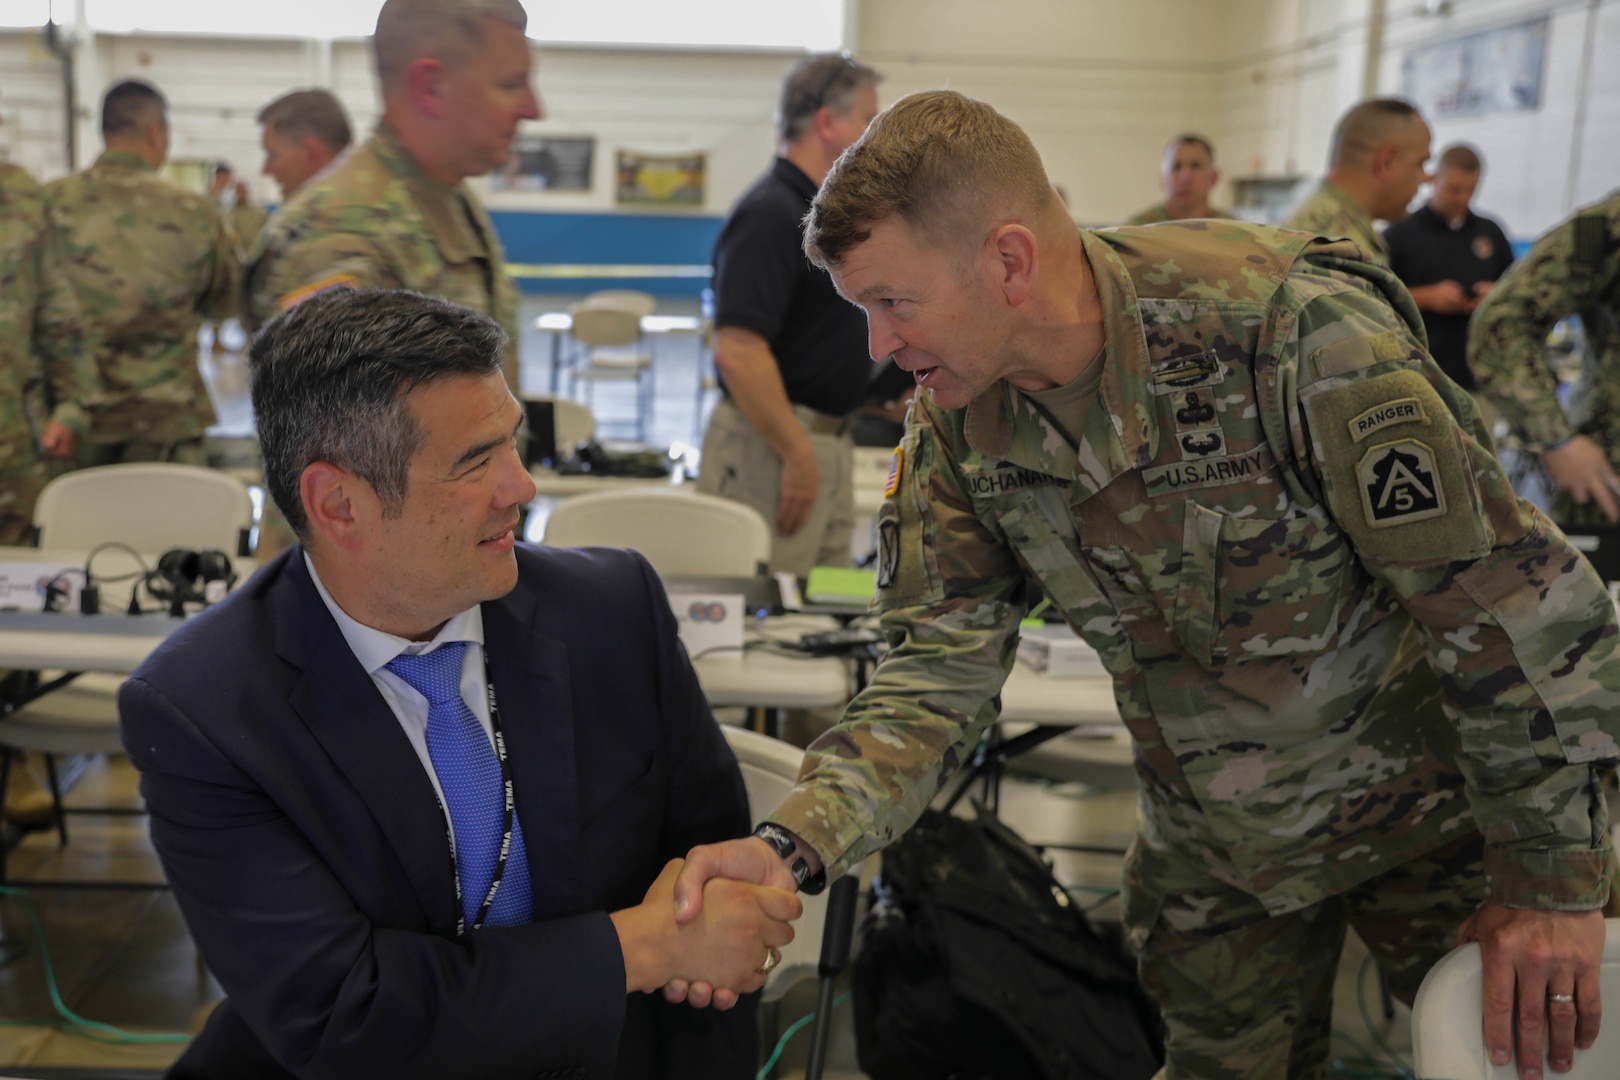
(1581, 468)
(57, 441)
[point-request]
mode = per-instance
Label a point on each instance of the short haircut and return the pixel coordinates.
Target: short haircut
(130, 105)
(1367, 126)
(315, 113)
(447, 30)
(941, 161)
(1196, 140)
(830, 79)
(329, 379)
(1462, 157)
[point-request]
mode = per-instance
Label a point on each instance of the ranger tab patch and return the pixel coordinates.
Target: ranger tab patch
(1407, 410)
(1400, 484)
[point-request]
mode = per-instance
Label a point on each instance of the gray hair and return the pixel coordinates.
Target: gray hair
(314, 112)
(447, 30)
(830, 79)
(329, 379)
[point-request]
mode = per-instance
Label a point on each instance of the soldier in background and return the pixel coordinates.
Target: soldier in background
(304, 132)
(1380, 150)
(1573, 270)
(230, 193)
(396, 213)
(45, 374)
(1187, 175)
(148, 262)
(1284, 530)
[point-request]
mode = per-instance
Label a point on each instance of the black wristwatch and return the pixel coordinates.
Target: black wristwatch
(783, 844)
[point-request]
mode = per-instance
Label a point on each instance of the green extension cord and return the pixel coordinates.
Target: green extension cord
(793, 1029)
(75, 1023)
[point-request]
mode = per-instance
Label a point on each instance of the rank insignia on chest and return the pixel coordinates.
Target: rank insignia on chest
(1400, 484)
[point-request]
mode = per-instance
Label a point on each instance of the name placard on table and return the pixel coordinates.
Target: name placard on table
(710, 622)
(24, 586)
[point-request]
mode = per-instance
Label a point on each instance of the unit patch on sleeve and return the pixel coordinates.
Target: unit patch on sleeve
(1400, 484)
(1407, 410)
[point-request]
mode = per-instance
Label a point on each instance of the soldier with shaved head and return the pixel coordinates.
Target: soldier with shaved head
(1223, 453)
(1380, 158)
(456, 81)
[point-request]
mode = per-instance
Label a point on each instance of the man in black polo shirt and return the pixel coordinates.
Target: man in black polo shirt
(791, 353)
(1449, 257)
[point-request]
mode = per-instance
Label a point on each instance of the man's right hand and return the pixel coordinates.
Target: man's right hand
(1443, 298)
(801, 477)
(1581, 468)
(724, 941)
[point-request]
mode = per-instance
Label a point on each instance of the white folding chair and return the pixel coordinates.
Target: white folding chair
(151, 508)
(1447, 1043)
(607, 327)
(681, 533)
(770, 768)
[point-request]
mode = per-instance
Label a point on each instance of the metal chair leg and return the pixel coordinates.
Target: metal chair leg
(836, 938)
(56, 798)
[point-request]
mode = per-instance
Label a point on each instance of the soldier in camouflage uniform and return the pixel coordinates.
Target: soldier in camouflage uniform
(46, 371)
(1573, 270)
(1187, 175)
(396, 213)
(1380, 154)
(1368, 687)
(243, 220)
(148, 261)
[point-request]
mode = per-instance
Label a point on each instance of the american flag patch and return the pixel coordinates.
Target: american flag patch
(896, 465)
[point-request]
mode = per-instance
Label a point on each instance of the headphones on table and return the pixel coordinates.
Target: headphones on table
(196, 577)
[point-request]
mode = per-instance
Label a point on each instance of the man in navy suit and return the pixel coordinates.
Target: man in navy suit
(415, 786)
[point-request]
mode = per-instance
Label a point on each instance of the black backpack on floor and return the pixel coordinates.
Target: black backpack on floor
(976, 965)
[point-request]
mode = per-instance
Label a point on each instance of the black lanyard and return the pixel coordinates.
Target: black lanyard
(506, 829)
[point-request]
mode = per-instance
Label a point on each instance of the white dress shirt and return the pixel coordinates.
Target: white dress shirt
(374, 648)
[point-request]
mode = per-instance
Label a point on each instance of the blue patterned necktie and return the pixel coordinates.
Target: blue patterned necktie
(470, 774)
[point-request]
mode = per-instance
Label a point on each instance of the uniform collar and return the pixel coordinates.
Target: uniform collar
(449, 211)
(1355, 216)
(123, 159)
(1120, 431)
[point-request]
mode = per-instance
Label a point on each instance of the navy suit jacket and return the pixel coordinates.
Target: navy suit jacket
(309, 855)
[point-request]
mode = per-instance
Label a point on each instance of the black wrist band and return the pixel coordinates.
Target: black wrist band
(784, 845)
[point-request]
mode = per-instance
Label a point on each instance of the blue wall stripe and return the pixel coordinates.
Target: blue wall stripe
(584, 240)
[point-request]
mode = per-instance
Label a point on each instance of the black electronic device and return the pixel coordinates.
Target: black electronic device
(833, 642)
(541, 419)
(184, 576)
(593, 459)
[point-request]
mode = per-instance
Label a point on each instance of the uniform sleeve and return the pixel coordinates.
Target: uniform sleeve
(951, 596)
(1507, 337)
(1516, 624)
(61, 340)
(222, 280)
(757, 265)
(304, 265)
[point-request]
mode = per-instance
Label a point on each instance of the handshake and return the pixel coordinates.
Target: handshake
(712, 924)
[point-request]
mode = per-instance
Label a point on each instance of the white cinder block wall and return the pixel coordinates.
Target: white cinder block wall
(1100, 85)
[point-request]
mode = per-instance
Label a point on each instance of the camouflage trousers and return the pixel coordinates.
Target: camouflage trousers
(1249, 996)
(20, 486)
(183, 452)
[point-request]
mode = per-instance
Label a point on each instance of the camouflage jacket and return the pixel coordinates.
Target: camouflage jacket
(1326, 615)
(1573, 270)
(1329, 212)
(45, 370)
(245, 222)
(149, 261)
(1160, 212)
(377, 221)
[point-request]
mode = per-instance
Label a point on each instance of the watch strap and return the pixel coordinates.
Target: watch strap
(783, 843)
